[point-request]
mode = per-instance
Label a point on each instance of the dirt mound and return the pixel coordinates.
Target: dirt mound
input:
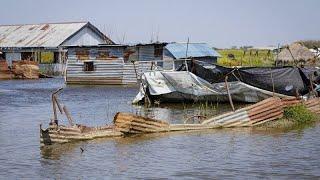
(26, 69)
(4, 70)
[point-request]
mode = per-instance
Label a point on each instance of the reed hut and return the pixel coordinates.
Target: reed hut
(295, 54)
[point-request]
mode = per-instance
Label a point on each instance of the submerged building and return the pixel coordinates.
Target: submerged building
(123, 64)
(46, 42)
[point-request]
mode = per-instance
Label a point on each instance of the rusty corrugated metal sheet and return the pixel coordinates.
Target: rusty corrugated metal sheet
(114, 72)
(110, 68)
(58, 134)
(96, 53)
(127, 123)
(38, 35)
(264, 111)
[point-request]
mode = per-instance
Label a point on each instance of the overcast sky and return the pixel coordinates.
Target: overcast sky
(220, 23)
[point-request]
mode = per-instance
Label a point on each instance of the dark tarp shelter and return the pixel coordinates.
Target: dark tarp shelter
(283, 80)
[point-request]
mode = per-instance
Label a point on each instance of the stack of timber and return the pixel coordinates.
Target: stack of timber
(5, 72)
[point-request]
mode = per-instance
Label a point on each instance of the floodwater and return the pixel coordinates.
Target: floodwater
(222, 153)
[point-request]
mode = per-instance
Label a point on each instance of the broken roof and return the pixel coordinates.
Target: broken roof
(178, 50)
(42, 35)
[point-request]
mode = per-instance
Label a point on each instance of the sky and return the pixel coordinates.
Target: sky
(221, 23)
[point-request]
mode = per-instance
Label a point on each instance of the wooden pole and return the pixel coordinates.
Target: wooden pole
(58, 104)
(272, 82)
(277, 54)
(54, 106)
(135, 70)
(68, 115)
(185, 61)
(294, 60)
(311, 84)
(146, 97)
(229, 95)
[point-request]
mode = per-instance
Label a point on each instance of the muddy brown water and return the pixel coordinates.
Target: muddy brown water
(223, 153)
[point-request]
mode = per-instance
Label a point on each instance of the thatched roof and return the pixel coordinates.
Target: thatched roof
(310, 44)
(298, 51)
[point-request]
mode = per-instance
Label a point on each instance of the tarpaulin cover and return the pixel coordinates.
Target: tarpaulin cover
(284, 80)
(185, 86)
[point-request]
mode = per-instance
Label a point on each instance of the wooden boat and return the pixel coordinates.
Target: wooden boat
(126, 123)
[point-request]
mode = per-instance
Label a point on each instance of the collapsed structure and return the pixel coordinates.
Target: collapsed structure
(270, 109)
(209, 82)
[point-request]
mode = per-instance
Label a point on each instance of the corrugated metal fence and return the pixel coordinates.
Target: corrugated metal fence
(113, 72)
(267, 110)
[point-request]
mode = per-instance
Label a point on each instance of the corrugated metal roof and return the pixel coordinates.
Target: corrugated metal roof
(38, 35)
(178, 50)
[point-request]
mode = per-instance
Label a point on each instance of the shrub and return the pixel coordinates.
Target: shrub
(299, 114)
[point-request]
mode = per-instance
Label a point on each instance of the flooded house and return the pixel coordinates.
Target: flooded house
(123, 64)
(46, 43)
(102, 64)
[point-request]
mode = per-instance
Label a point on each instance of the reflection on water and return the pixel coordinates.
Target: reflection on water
(220, 153)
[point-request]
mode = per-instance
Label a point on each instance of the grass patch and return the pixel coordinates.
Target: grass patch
(299, 114)
(246, 57)
(295, 116)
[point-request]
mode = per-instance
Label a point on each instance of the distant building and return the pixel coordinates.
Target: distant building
(199, 51)
(47, 42)
(271, 48)
(295, 53)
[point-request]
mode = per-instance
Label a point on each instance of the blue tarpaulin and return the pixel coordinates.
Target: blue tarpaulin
(178, 50)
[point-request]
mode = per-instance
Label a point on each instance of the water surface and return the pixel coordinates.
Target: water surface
(222, 153)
